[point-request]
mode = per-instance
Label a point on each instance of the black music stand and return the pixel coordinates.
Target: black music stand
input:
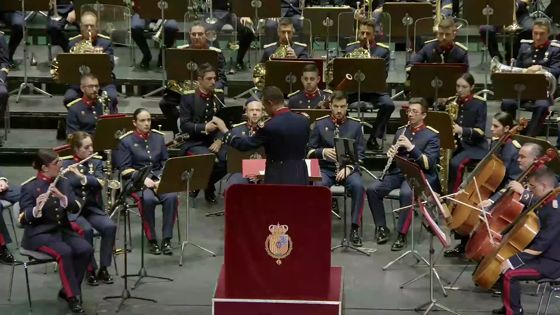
(135, 184)
(285, 74)
(187, 173)
(403, 16)
(25, 5)
(422, 192)
(520, 86)
(488, 12)
(368, 76)
(164, 10)
(324, 20)
(346, 154)
(313, 114)
(435, 80)
(231, 115)
(441, 121)
(109, 129)
(182, 64)
(95, 5)
(73, 66)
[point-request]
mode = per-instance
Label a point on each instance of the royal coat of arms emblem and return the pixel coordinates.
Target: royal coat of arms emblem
(278, 244)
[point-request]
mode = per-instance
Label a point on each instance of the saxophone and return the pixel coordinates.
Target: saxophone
(452, 108)
(497, 67)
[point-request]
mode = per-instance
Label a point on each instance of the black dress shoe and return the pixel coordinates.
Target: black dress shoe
(501, 310)
(400, 243)
(104, 276)
(92, 279)
(194, 194)
(62, 295)
(382, 235)
(458, 251)
(373, 145)
(75, 305)
(355, 237)
(166, 247)
(210, 196)
(5, 256)
(154, 248)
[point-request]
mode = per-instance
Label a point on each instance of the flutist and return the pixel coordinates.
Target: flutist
(418, 143)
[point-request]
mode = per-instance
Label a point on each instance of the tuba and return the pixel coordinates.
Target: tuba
(496, 67)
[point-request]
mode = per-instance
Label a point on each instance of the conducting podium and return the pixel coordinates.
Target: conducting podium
(277, 253)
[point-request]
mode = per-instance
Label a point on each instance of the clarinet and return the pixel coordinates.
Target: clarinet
(392, 156)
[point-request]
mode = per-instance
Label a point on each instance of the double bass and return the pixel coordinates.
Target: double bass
(489, 174)
(503, 214)
(520, 234)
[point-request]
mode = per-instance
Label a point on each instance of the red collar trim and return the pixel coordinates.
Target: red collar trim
(88, 102)
(545, 45)
(312, 95)
(76, 158)
(419, 128)
(43, 177)
(446, 48)
(142, 135)
(466, 99)
(204, 95)
(281, 111)
(337, 121)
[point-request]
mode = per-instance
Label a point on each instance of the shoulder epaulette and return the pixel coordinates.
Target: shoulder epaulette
(403, 126)
(28, 180)
(322, 117)
(526, 41)
(430, 41)
(219, 91)
(189, 92)
(98, 157)
(354, 119)
(300, 44)
(328, 91)
(157, 131)
(462, 46)
(269, 45)
(261, 123)
(73, 102)
(66, 157)
(555, 43)
(516, 144)
(432, 129)
(75, 37)
(104, 36)
(478, 97)
(239, 124)
(352, 43)
(126, 134)
(183, 46)
(293, 93)
(216, 49)
(1, 33)
(383, 45)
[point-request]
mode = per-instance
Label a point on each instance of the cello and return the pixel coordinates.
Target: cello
(489, 174)
(504, 212)
(520, 234)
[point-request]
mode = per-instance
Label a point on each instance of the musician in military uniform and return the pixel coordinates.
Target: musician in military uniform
(101, 44)
(138, 25)
(45, 201)
(284, 137)
(528, 155)
(285, 47)
(536, 55)
(10, 194)
(382, 101)
(146, 147)
(55, 27)
(4, 70)
(171, 97)
(419, 144)
(290, 10)
(15, 21)
(197, 108)
(311, 97)
(541, 258)
(321, 145)
(525, 24)
(88, 186)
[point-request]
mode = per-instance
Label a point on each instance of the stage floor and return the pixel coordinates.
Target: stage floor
(368, 289)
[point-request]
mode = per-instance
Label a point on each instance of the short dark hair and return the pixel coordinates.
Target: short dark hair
(545, 174)
(419, 100)
(88, 12)
(197, 24)
(273, 94)
(203, 69)
(311, 67)
(542, 22)
(285, 22)
(76, 139)
(447, 23)
(467, 77)
(138, 111)
(338, 95)
(504, 118)
(368, 23)
(44, 157)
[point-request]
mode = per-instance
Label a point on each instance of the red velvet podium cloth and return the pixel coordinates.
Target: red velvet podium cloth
(278, 248)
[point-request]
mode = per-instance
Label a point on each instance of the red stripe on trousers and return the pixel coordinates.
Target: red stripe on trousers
(65, 283)
(2, 240)
(507, 284)
(360, 213)
(144, 222)
(407, 221)
(460, 172)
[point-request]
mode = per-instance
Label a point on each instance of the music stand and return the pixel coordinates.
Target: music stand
(419, 185)
(285, 74)
(323, 20)
(313, 114)
(73, 66)
(231, 115)
(164, 10)
(109, 129)
(437, 77)
(368, 76)
(135, 184)
(32, 5)
(187, 173)
(520, 86)
(403, 16)
(182, 64)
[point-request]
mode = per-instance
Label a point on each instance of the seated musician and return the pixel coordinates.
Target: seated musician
(311, 96)
(508, 153)
(254, 111)
(172, 95)
(321, 144)
(140, 148)
(541, 259)
(197, 108)
(45, 201)
(525, 25)
(536, 55)
(285, 47)
(138, 25)
(15, 20)
(10, 194)
(382, 101)
(528, 154)
(101, 44)
(88, 186)
(4, 70)
(420, 144)
(83, 112)
(55, 27)
(290, 10)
